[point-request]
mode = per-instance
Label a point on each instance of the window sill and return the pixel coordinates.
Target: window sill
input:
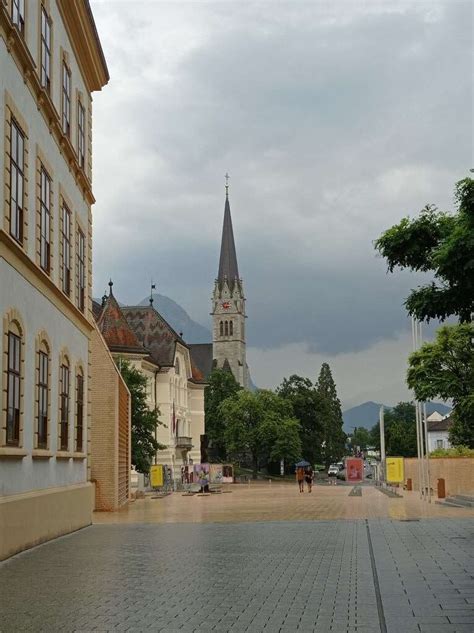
(13, 451)
(41, 453)
(63, 455)
(79, 456)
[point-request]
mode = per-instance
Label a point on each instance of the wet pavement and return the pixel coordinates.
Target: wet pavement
(366, 576)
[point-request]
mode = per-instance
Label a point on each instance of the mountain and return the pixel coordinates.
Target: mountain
(367, 414)
(179, 319)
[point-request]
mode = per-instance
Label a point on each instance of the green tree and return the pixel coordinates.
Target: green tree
(305, 401)
(221, 385)
(400, 431)
(443, 245)
(255, 425)
(144, 420)
(445, 369)
(331, 416)
(361, 437)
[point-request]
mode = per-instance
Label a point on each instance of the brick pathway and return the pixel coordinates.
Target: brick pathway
(310, 576)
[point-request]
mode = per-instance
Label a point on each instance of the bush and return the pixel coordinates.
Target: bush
(456, 451)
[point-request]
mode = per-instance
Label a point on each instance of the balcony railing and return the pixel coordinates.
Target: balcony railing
(184, 442)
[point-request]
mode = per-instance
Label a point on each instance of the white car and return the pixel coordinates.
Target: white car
(333, 470)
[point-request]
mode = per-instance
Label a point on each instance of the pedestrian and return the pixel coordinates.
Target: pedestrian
(308, 476)
(300, 478)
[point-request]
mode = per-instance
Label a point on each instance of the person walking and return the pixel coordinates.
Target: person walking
(300, 478)
(308, 476)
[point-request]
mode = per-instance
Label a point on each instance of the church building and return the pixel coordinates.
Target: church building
(228, 348)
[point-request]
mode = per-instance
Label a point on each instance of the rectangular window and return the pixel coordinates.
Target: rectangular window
(45, 50)
(64, 407)
(81, 271)
(45, 221)
(13, 389)
(79, 413)
(439, 443)
(18, 14)
(81, 132)
(66, 249)
(66, 100)
(43, 379)
(17, 181)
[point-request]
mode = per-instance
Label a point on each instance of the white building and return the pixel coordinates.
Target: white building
(438, 431)
(50, 63)
(140, 335)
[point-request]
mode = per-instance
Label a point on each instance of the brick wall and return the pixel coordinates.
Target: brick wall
(458, 473)
(110, 432)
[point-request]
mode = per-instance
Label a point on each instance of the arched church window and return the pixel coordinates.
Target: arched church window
(221, 328)
(227, 328)
(231, 328)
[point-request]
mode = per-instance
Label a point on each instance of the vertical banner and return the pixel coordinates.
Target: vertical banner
(354, 469)
(217, 473)
(395, 470)
(228, 474)
(156, 476)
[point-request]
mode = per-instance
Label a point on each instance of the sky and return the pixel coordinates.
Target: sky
(334, 120)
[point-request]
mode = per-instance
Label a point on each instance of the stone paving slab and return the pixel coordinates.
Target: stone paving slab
(278, 577)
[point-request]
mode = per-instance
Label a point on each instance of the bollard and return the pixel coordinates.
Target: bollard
(441, 489)
(409, 484)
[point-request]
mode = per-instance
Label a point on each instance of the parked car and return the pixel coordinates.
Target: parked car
(333, 470)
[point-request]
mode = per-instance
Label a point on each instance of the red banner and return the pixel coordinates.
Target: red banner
(354, 469)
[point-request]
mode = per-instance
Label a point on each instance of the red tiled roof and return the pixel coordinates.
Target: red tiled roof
(116, 331)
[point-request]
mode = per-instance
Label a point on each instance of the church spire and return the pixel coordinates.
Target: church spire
(228, 260)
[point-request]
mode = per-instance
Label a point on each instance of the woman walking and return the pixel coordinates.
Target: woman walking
(308, 475)
(300, 477)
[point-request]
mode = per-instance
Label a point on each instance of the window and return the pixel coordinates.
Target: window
(81, 133)
(64, 406)
(13, 389)
(226, 328)
(17, 181)
(45, 50)
(231, 328)
(43, 397)
(176, 367)
(66, 101)
(66, 249)
(45, 220)
(221, 328)
(18, 14)
(81, 271)
(439, 443)
(79, 411)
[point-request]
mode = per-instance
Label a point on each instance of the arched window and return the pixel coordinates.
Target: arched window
(231, 328)
(227, 328)
(64, 401)
(13, 371)
(43, 396)
(176, 366)
(79, 410)
(221, 328)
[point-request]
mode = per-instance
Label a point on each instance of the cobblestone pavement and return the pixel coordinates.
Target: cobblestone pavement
(364, 576)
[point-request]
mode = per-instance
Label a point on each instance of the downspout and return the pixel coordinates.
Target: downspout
(156, 427)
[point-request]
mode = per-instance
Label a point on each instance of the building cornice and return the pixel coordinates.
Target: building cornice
(14, 255)
(79, 22)
(20, 53)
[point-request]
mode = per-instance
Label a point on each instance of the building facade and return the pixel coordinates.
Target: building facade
(228, 308)
(50, 62)
(175, 386)
(438, 431)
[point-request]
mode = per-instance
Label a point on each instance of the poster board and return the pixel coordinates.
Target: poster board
(395, 471)
(216, 473)
(156, 476)
(201, 474)
(354, 469)
(227, 474)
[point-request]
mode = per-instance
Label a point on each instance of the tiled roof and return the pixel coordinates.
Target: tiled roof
(440, 425)
(154, 333)
(201, 357)
(115, 329)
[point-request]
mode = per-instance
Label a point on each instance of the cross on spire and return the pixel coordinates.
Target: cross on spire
(227, 184)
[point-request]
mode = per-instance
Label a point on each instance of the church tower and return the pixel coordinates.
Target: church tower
(228, 307)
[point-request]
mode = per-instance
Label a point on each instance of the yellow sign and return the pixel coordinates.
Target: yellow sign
(156, 476)
(395, 470)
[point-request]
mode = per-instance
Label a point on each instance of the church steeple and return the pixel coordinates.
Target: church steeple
(228, 268)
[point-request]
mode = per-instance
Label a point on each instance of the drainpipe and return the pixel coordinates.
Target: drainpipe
(156, 427)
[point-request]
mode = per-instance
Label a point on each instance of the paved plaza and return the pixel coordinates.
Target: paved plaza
(397, 574)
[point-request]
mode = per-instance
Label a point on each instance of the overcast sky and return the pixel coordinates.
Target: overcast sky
(334, 120)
